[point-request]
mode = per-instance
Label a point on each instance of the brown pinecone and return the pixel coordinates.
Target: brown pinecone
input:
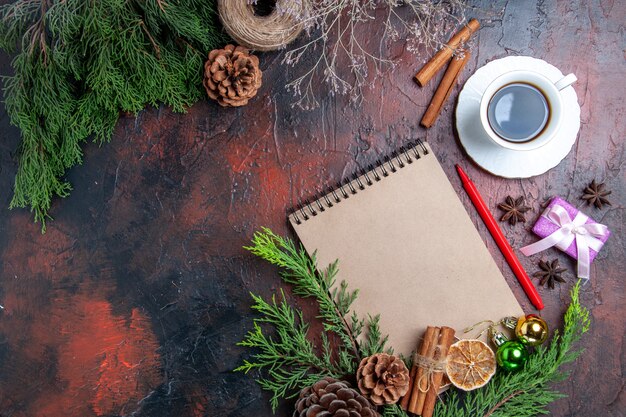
(383, 378)
(329, 397)
(232, 76)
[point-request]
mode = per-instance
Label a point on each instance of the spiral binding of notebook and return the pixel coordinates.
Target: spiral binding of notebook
(376, 172)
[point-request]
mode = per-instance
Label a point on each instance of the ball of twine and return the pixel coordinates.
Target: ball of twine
(262, 33)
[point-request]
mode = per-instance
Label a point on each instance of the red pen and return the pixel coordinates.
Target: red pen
(498, 236)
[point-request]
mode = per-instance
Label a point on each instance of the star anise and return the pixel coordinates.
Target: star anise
(513, 210)
(550, 273)
(596, 194)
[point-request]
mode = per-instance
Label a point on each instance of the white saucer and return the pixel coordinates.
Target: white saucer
(505, 162)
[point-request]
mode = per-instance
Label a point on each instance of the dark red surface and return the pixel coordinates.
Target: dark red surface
(132, 302)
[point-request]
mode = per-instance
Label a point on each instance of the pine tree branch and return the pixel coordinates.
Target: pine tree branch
(501, 402)
(354, 345)
(157, 50)
(300, 270)
(522, 394)
(289, 357)
(160, 3)
(39, 33)
(525, 393)
(85, 62)
(290, 360)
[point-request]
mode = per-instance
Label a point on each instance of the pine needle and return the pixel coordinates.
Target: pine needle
(79, 63)
(289, 361)
(528, 392)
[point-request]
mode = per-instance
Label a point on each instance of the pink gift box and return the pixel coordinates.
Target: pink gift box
(544, 227)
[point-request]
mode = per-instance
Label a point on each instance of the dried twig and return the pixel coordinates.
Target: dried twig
(343, 53)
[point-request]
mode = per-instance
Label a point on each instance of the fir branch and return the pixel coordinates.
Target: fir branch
(290, 360)
(525, 393)
(301, 271)
(289, 357)
(375, 342)
(393, 410)
(78, 64)
(502, 402)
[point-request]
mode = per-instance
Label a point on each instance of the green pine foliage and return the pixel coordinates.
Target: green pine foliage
(289, 360)
(79, 63)
(289, 357)
(526, 393)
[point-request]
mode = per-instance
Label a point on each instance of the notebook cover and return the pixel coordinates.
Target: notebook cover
(407, 243)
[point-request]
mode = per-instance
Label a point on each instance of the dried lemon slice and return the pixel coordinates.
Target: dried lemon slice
(470, 364)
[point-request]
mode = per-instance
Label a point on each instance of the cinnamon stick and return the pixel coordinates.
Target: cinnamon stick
(404, 403)
(421, 350)
(444, 89)
(417, 395)
(436, 63)
(446, 337)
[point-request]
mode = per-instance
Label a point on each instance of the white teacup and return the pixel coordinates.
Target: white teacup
(551, 92)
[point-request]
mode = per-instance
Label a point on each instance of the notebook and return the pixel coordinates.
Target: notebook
(404, 239)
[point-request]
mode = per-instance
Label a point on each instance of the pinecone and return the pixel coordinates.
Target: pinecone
(383, 378)
(329, 397)
(232, 76)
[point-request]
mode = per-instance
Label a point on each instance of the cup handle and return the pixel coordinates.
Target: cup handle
(565, 82)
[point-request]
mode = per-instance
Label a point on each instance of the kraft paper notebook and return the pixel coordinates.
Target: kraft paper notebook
(404, 239)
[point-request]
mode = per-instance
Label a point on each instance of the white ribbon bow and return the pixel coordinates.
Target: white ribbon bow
(586, 236)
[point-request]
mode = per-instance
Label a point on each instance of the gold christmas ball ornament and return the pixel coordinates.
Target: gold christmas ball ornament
(531, 329)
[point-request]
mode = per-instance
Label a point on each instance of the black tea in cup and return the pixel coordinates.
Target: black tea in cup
(518, 112)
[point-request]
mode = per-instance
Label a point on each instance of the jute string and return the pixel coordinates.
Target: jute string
(262, 33)
(430, 366)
